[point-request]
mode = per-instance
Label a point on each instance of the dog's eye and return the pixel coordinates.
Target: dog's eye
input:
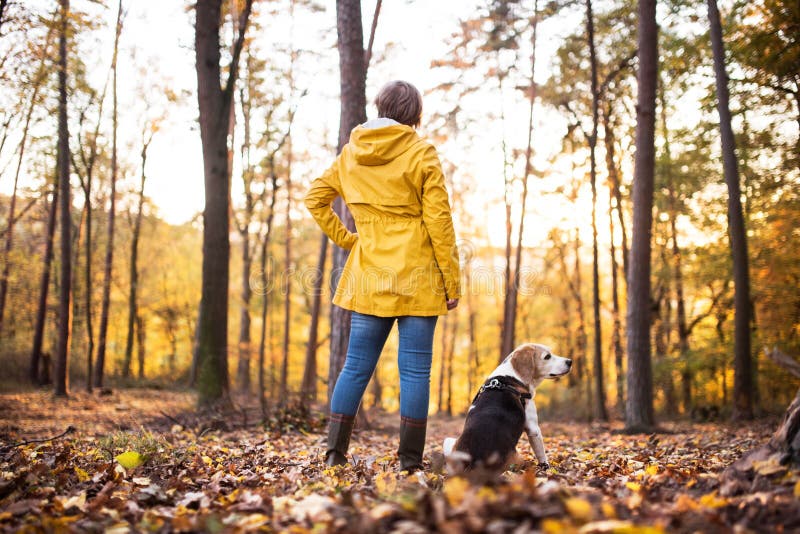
(547, 356)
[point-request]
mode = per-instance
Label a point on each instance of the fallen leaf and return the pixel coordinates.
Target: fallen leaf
(130, 459)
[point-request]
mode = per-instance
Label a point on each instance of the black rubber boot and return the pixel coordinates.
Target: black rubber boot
(339, 430)
(412, 443)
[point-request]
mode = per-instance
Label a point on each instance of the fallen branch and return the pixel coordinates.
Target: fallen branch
(70, 429)
(781, 359)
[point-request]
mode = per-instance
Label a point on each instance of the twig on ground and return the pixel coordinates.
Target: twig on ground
(70, 429)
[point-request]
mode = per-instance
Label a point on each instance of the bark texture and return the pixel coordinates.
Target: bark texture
(214, 102)
(639, 414)
(742, 361)
(64, 319)
(99, 367)
(353, 72)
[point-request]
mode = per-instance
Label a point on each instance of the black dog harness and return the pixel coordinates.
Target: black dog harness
(507, 383)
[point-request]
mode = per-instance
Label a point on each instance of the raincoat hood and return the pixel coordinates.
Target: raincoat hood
(380, 141)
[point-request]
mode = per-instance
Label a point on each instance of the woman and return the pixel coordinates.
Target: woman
(403, 262)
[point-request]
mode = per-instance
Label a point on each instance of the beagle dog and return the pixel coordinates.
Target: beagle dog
(503, 408)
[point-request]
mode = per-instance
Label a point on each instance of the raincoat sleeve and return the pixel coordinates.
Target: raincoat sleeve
(439, 223)
(319, 201)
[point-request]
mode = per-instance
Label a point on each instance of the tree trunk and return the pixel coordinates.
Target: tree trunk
(44, 287)
(353, 73)
(243, 367)
(680, 312)
(288, 272)
(265, 290)
(616, 329)
(639, 414)
(309, 389)
(742, 363)
(140, 344)
(245, 343)
(599, 387)
(109, 260)
(449, 355)
(214, 104)
(62, 352)
(133, 311)
(614, 178)
(510, 307)
(474, 362)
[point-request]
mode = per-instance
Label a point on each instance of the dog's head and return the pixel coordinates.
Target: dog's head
(533, 363)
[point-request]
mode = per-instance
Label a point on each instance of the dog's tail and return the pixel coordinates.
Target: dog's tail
(448, 445)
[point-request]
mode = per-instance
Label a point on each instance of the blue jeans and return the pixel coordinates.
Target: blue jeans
(368, 334)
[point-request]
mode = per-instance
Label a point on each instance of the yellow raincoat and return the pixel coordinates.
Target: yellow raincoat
(403, 259)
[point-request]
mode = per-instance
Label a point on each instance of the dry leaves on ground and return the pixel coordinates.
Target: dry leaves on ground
(216, 474)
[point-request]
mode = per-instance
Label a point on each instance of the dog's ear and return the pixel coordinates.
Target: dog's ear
(523, 360)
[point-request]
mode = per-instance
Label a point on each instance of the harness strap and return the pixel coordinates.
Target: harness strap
(496, 383)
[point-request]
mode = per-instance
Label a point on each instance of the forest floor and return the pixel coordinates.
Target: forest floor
(143, 460)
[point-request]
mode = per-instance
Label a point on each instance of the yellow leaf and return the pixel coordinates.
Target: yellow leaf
(130, 459)
(579, 509)
(652, 469)
(553, 526)
(386, 482)
(207, 460)
(710, 500)
(608, 510)
(617, 527)
(486, 493)
(769, 466)
(633, 486)
(83, 476)
(797, 489)
(454, 489)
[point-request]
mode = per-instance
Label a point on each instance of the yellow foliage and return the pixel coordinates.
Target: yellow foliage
(578, 508)
(454, 490)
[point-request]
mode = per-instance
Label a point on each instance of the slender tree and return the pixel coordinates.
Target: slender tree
(214, 102)
(89, 162)
(102, 334)
(599, 387)
(639, 414)
(34, 373)
(134, 320)
(265, 289)
(616, 329)
(62, 352)
(742, 363)
(510, 304)
(309, 388)
(353, 72)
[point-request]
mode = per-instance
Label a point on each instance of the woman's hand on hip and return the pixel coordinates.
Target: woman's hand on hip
(451, 304)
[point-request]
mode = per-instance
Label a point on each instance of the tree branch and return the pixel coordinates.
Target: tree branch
(21, 214)
(368, 52)
(237, 52)
(783, 360)
(621, 66)
(714, 301)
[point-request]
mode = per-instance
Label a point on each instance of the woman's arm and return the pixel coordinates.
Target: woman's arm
(319, 200)
(439, 223)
